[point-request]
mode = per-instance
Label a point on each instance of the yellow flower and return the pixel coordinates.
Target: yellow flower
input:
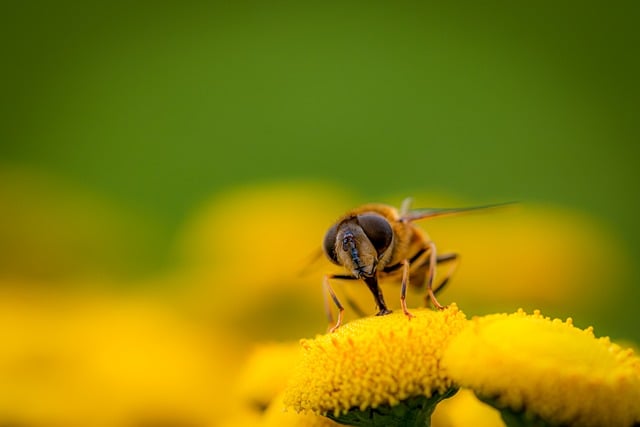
(464, 410)
(534, 367)
(258, 390)
(518, 244)
(250, 238)
(92, 359)
(265, 373)
(375, 363)
(277, 415)
(246, 252)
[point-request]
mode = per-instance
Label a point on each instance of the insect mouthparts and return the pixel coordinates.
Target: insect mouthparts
(349, 244)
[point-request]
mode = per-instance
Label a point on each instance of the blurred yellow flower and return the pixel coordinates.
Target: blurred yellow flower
(529, 253)
(464, 410)
(260, 234)
(547, 370)
(257, 394)
(253, 256)
(100, 360)
(277, 415)
(375, 363)
(239, 416)
(265, 373)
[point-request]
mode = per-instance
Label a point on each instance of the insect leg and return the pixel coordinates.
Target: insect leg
(433, 259)
(445, 258)
(354, 306)
(328, 291)
(423, 263)
(403, 291)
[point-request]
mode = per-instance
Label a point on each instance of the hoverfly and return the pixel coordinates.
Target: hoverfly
(377, 241)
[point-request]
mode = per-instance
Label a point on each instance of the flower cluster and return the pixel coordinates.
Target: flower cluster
(535, 370)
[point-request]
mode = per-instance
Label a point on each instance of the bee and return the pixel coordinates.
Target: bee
(377, 241)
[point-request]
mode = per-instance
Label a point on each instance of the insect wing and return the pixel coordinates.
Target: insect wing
(416, 214)
(311, 263)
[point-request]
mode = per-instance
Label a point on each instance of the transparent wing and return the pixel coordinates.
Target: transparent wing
(416, 214)
(310, 263)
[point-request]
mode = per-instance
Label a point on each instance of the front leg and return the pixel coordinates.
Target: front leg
(328, 292)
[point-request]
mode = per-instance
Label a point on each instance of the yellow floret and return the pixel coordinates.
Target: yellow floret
(374, 361)
(548, 369)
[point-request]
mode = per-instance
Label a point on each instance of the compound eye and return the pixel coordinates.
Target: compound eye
(378, 230)
(329, 244)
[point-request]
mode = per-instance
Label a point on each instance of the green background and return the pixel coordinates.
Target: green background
(157, 106)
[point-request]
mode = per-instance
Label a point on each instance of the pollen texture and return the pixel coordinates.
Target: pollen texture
(374, 361)
(548, 369)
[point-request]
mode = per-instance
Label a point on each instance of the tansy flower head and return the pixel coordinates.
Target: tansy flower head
(376, 367)
(546, 371)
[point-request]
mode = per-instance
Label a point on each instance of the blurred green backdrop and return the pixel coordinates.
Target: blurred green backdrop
(153, 107)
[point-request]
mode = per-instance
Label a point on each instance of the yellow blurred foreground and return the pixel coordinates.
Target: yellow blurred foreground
(180, 349)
